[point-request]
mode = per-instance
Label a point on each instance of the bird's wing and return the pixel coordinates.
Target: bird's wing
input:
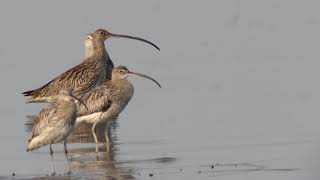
(97, 100)
(71, 79)
(47, 118)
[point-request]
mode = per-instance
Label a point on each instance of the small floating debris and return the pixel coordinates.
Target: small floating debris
(199, 172)
(212, 166)
(13, 174)
(150, 174)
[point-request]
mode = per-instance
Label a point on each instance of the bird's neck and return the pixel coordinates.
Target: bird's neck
(124, 92)
(124, 83)
(88, 50)
(97, 54)
(69, 108)
(100, 50)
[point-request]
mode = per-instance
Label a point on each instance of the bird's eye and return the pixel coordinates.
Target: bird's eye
(102, 33)
(121, 71)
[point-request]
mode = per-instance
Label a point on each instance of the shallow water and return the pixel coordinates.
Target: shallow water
(240, 88)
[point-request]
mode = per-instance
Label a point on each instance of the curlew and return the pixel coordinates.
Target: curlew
(107, 101)
(54, 123)
(94, 70)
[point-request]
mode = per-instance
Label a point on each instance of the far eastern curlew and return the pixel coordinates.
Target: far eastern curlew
(54, 123)
(94, 70)
(107, 101)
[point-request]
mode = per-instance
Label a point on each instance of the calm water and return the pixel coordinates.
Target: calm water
(240, 87)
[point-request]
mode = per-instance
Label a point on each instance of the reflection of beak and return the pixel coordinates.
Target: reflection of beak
(144, 76)
(135, 38)
(79, 101)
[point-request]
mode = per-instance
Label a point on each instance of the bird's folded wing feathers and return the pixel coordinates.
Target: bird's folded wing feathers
(45, 118)
(97, 100)
(74, 76)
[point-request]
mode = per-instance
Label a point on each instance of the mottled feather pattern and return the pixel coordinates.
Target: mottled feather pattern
(100, 98)
(53, 124)
(96, 100)
(81, 78)
(105, 102)
(52, 114)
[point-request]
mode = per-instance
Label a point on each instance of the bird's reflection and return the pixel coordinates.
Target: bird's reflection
(86, 163)
(102, 164)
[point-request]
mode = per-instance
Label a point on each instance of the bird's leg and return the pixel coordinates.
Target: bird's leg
(106, 134)
(95, 136)
(66, 153)
(52, 163)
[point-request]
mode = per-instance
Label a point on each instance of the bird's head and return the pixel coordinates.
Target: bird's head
(103, 35)
(122, 72)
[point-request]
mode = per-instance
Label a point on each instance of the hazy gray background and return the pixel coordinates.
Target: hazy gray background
(240, 80)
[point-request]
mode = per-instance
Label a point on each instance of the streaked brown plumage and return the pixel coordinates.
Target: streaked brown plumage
(81, 78)
(107, 101)
(54, 123)
(94, 70)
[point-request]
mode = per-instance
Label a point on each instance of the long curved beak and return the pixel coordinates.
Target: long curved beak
(79, 101)
(144, 76)
(135, 38)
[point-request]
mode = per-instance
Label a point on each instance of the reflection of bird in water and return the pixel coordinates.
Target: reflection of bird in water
(83, 160)
(83, 133)
(55, 125)
(107, 101)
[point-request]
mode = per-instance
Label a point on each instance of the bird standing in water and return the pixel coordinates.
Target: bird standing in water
(107, 101)
(94, 70)
(54, 123)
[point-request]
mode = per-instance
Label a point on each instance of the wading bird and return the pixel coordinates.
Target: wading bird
(54, 123)
(94, 70)
(106, 102)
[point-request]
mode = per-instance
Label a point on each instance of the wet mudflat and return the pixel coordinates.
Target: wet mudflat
(160, 159)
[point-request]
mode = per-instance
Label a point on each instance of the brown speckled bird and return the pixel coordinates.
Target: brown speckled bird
(94, 70)
(107, 101)
(104, 103)
(54, 123)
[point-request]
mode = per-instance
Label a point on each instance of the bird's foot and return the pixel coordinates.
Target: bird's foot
(53, 173)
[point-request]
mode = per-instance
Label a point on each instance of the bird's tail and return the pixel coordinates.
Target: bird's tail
(28, 93)
(36, 92)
